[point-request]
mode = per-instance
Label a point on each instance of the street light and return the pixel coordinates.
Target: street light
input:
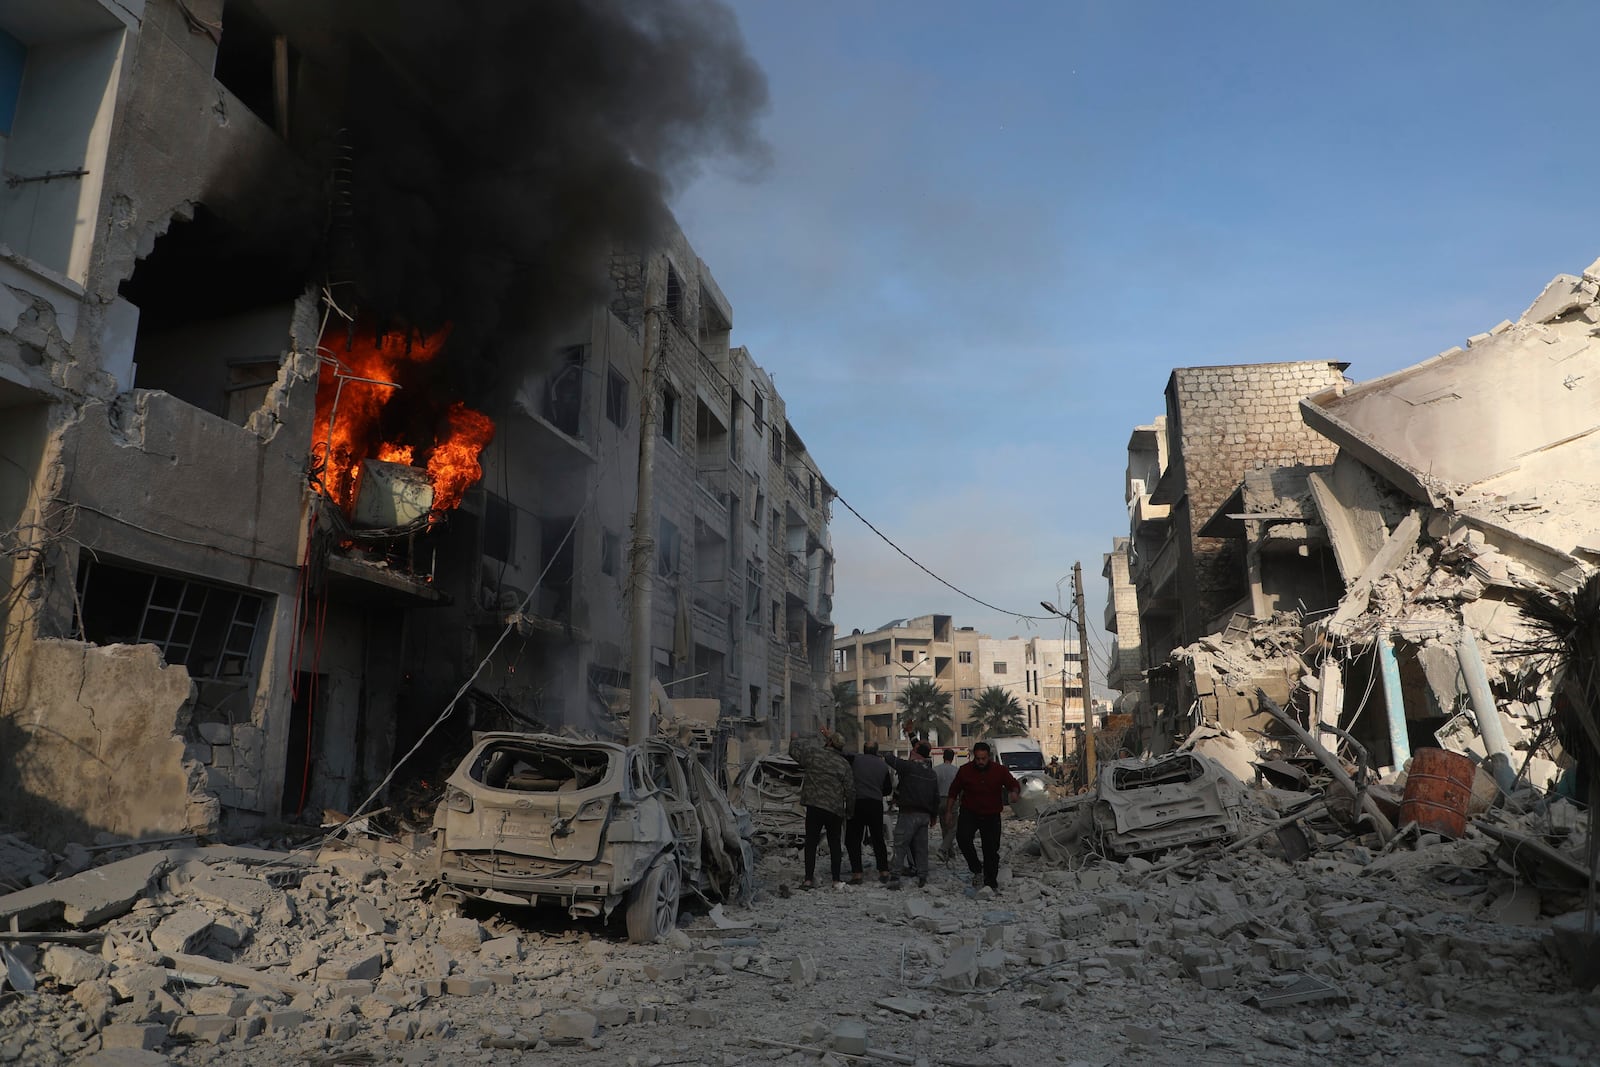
(1052, 609)
(893, 715)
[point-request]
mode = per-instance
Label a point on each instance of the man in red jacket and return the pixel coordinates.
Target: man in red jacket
(981, 786)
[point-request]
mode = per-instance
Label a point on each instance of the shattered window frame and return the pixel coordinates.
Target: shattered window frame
(616, 397)
(178, 614)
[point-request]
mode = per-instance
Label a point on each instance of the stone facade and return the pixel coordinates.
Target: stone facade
(1222, 422)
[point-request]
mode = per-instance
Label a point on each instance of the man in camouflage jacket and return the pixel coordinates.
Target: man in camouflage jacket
(828, 792)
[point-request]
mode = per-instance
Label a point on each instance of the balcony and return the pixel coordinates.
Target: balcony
(797, 567)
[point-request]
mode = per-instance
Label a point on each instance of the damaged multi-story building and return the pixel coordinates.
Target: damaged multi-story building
(318, 444)
(1385, 572)
(1041, 673)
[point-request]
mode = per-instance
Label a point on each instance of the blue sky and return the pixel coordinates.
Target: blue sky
(989, 232)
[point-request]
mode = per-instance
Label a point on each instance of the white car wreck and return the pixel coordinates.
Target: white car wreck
(1138, 807)
(535, 819)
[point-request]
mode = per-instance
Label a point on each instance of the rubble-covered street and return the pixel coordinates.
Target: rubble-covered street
(1432, 951)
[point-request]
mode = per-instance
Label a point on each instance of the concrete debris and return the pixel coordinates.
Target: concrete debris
(1411, 937)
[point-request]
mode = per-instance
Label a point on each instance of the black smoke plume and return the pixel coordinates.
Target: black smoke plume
(483, 157)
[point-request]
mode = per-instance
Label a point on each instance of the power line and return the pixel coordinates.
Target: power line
(929, 573)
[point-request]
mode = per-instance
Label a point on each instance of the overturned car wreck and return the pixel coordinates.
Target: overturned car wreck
(535, 819)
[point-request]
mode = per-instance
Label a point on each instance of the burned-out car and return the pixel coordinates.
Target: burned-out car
(1142, 806)
(591, 826)
(769, 789)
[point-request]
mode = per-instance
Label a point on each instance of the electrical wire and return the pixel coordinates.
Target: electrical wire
(931, 574)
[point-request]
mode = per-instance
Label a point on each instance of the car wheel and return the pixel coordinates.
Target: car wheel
(653, 908)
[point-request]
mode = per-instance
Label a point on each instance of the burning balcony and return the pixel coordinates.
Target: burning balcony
(392, 455)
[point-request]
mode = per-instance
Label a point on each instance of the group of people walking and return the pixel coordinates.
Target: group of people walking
(843, 795)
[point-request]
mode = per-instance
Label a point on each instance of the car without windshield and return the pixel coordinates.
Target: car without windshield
(590, 825)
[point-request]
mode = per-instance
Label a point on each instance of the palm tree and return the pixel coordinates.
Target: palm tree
(997, 713)
(925, 708)
(846, 721)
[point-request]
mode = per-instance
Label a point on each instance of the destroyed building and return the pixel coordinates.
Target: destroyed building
(320, 416)
(1220, 423)
(1381, 574)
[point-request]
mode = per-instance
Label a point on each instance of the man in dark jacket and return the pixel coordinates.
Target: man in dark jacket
(916, 796)
(872, 785)
(981, 787)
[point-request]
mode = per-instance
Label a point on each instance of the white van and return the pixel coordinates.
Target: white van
(1024, 758)
(1018, 754)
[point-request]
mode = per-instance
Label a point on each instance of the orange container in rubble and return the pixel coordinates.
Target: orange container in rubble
(1438, 789)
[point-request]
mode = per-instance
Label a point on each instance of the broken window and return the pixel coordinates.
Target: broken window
(669, 414)
(752, 591)
(667, 550)
(534, 770)
(563, 393)
(499, 527)
(674, 295)
(616, 397)
(208, 629)
(777, 448)
(758, 407)
(907, 656)
(610, 551)
(256, 64)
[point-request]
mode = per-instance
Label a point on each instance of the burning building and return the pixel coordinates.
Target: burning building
(315, 369)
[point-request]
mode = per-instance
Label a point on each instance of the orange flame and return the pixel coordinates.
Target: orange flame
(393, 416)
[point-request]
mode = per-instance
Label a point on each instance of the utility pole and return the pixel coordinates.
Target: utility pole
(1083, 680)
(643, 550)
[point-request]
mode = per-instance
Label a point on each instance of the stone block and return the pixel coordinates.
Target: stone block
(1217, 976)
(213, 1029)
(703, 1018)
(570, 1026)
(72, 966)
(147, 1036)
(1079, 920)
(217, 1000)
(368, 917)
(803, 970)
(674, 971)
(355, 988)
(501, 948)
(464, 986)
(183, 931)
(369, 965)
(1197, 956)
(461, 935)
(613, 1015)
(849, 1038)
